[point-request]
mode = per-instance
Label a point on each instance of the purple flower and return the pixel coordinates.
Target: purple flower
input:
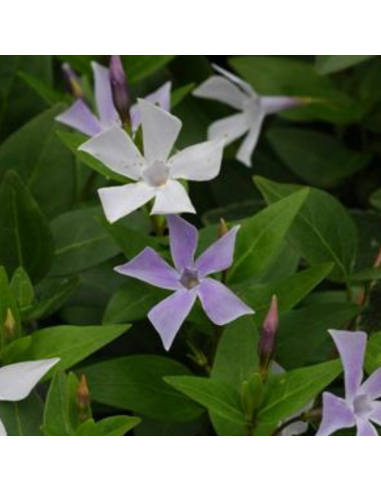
(80, 117)
(189, 280)
(360, 407)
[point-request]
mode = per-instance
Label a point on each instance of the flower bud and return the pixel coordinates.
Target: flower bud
(10, 326)
(119, 88)
(223, 228)
(83, 400)
(267, 341)
(72, 81)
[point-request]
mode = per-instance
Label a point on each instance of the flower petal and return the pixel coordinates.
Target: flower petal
(168, 316)
(79, 117)
(117, 151)
(236, 80)
(372, 387)
(150, 267)
(351, 347)
(119, 201)
(219, 256)
(376, 413)
(220, 304)
(337, 415)
(220, 89)
(230, 129)
(200, 162)
(273, 105)
(18, 380)
(161, 97)
(183, 240)
(296, 429)
(365, 429)
(3, 432)
(246, 150)
(160, 131)
(172, 199)
(103, 96)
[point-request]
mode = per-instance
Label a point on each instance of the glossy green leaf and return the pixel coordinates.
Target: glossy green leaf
(326, 64)
(22, 288)
(139, 67)
(23, 418)
(112, 426)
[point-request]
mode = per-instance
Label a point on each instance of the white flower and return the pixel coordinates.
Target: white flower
(252, 108)
(18, 380)
(156, 173)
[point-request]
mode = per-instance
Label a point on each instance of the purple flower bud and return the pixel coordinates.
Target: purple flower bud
(119, 87)
(73, 82)
(267, 341)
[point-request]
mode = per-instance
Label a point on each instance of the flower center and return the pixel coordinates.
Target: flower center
(189, 279)
(362, 406)
(156, 174)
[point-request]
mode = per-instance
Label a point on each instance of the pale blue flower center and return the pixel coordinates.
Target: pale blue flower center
(156, 174)
(362, 406)
(190, 279)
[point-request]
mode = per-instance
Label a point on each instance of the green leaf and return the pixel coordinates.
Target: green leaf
(136, 384)
(375, 199)
(43, 89)
(8, 306)
(326, 64)
(113, 426)
(323, 231)
(373, 354)
(43, 163)
(25, 237)
(281, 75)
(22, 288)
(291, 392)
(81, 241)
(317, 158)
(261, 238)
(61, 413)
(139, 67)
(71, 344)
(214, 395)
(367, 274)
(23, 418)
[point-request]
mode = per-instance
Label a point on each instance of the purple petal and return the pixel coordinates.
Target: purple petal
(365, 429)
(168, 316)
(79, 117)
(183, 241)
(152, 269)
(219, 256)
(220, 304)
(372, 387)
(375, 416)
(351, 347)
(337, 415)
(273, 105)
(103, 96)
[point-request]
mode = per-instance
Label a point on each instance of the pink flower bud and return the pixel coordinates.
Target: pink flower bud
(119, 88)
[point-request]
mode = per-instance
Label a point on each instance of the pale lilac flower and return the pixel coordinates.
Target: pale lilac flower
(80, 117)
(360, 407)
(253, 109)
(18, 380)
(189, 280)
(156, 174)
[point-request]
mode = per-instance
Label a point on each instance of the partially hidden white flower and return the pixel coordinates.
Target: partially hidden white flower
(18, 380)
(253, 109)
(156, 173)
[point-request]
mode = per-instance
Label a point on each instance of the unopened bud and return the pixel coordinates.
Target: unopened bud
(10, 326)
(83, 400)
(223, 228)
(72, 80)
(119, 88)
(267, 341)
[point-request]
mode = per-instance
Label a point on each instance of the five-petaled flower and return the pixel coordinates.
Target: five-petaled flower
(189, 280)
(18, 380)
(156, 174)
(360, 407)
(253, 109)
(80, 117)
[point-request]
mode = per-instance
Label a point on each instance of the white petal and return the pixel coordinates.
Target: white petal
(18, 380)
(230, 129)
(220, 89)
(200, 162)
(172, 199)
(117, 151)
(3, 432)
(119, 201)
(160, 131)
(247, 148)
(161, 97)
(236, 80)
(103, 96)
